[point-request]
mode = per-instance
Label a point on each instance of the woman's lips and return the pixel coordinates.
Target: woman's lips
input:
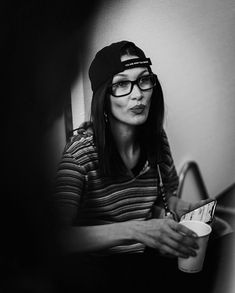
(138, 109)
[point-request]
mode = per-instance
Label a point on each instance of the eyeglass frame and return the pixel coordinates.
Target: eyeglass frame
(133, 82)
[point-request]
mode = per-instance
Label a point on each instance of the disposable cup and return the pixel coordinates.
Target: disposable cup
(194, 264)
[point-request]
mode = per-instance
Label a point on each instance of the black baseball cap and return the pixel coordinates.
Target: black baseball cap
(107, 63)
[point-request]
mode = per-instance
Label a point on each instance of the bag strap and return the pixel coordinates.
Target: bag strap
(168, 212)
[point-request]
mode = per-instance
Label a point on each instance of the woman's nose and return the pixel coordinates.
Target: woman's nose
(136, 92)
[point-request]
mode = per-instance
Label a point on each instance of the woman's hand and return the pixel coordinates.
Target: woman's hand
(167, 236)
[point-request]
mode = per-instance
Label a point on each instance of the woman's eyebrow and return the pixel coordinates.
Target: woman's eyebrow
(120, 74)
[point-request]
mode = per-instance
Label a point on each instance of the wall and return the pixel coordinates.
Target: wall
(192, 47)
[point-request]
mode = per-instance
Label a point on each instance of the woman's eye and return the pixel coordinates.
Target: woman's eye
(145, 79)
(122, 84)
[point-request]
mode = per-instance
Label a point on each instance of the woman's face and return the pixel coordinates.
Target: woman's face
(133, 108)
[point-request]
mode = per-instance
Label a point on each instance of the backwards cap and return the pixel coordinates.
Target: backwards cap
(107, 63)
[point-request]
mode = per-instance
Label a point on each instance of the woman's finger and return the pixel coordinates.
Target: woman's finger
(183, 230)
(179, 243)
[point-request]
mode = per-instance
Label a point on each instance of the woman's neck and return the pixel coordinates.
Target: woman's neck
(125, 138)
(124, 135)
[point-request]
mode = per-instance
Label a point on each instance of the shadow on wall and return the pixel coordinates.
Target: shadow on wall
(40, 45)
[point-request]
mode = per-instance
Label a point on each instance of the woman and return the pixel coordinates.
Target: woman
(107, 195)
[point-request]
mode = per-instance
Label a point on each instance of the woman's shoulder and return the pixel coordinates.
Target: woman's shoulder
(81, 141)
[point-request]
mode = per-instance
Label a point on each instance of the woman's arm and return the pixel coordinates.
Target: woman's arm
(93, 238)
(165, 235)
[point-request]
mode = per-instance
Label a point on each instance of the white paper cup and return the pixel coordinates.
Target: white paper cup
(194, 264)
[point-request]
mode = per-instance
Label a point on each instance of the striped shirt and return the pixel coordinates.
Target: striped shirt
(84, 197)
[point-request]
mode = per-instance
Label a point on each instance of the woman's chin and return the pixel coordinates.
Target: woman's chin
(139, 119)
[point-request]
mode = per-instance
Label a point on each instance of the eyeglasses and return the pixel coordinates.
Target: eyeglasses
(125, 87)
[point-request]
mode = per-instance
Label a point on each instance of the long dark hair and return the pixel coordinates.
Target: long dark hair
(149, 133)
